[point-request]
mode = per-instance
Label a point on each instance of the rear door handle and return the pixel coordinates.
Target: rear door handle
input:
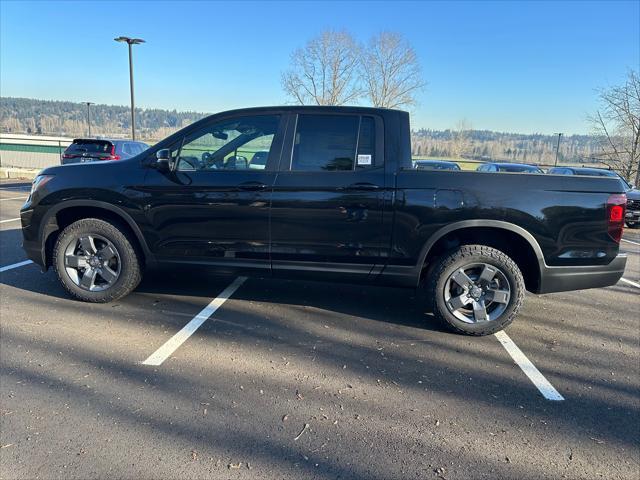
(362, 186)
(252, 186)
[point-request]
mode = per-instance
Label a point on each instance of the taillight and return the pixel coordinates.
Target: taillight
(113, 155)
(616, 207)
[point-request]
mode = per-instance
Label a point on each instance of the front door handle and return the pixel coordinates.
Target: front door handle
(252, 186)
(362, 186)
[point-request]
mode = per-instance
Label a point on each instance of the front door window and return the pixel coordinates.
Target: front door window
(238, 144)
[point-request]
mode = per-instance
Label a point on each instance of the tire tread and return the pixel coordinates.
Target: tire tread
(131, 273)
(470, 253)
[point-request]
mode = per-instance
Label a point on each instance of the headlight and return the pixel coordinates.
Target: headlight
(39, 182)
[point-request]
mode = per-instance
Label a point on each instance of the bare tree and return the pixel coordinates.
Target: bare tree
(461, 139)
(391, 71)
(617, 126)
(325, 71)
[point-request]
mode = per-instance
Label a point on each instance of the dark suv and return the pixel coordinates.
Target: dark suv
(92, 150)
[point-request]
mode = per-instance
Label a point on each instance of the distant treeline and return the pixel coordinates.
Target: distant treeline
(515, 147)
(44, 117)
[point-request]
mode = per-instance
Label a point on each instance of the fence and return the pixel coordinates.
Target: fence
(29, 151)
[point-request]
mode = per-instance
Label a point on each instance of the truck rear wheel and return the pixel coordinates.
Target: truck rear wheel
(475, 290)
(96, 261)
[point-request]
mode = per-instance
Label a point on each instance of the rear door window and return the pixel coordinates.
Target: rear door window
(333, 143)
(366, 143)
(132, 148)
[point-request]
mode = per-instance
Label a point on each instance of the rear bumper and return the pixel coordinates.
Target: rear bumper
(562, 279)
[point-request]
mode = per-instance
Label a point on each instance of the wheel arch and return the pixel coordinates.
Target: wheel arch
(513, 240)
(65, 213)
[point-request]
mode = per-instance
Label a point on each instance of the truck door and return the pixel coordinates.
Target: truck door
(327, 210)
(213, 206)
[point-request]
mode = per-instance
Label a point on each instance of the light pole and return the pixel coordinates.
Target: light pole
(557, 148)
(89, 116)
(131, 41)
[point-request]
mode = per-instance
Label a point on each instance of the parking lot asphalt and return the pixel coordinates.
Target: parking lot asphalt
(308, 380)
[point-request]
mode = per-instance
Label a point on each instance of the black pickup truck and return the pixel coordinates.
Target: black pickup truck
(325, 193)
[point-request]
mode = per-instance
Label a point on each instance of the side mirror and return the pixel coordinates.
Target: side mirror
(163, 160)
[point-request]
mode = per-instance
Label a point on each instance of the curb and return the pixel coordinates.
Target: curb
(19, 173)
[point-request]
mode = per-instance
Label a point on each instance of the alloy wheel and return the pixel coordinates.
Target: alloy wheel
(477, 293)
(92, 262)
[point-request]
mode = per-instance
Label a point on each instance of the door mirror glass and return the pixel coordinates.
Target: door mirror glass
(163, 159)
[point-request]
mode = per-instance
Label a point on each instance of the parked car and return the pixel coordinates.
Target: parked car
(509, 167)
(436, 165)
(84, 150)
(338, 200)
(588, 171)
(632, 216)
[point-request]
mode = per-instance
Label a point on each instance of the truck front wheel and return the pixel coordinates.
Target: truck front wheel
(475, 290)
(96, 261)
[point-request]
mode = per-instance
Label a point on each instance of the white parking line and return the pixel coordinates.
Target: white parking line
(165, 351)
(630, 241)
(10, 220)
(15, 265)
(13, 198)
(546, 389)
(637, 285)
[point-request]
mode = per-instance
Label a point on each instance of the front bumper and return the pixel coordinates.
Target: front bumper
(632, 215)
(31, 243)
(562, 279)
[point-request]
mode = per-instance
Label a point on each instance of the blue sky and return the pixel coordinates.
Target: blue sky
(521, 67)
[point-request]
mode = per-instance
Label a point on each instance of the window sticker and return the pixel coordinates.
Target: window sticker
(364, 159)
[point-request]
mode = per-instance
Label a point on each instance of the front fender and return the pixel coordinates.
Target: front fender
(49, 223)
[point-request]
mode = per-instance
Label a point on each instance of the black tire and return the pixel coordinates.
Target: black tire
(439, 280)
(633, 224)
(128, 258)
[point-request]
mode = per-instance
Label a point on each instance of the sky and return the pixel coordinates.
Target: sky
(529, 67)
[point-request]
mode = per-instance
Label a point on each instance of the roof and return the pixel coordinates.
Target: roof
(426, 160)
(112, 140)
(328, 108)
(505, 164)
(592, 170)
